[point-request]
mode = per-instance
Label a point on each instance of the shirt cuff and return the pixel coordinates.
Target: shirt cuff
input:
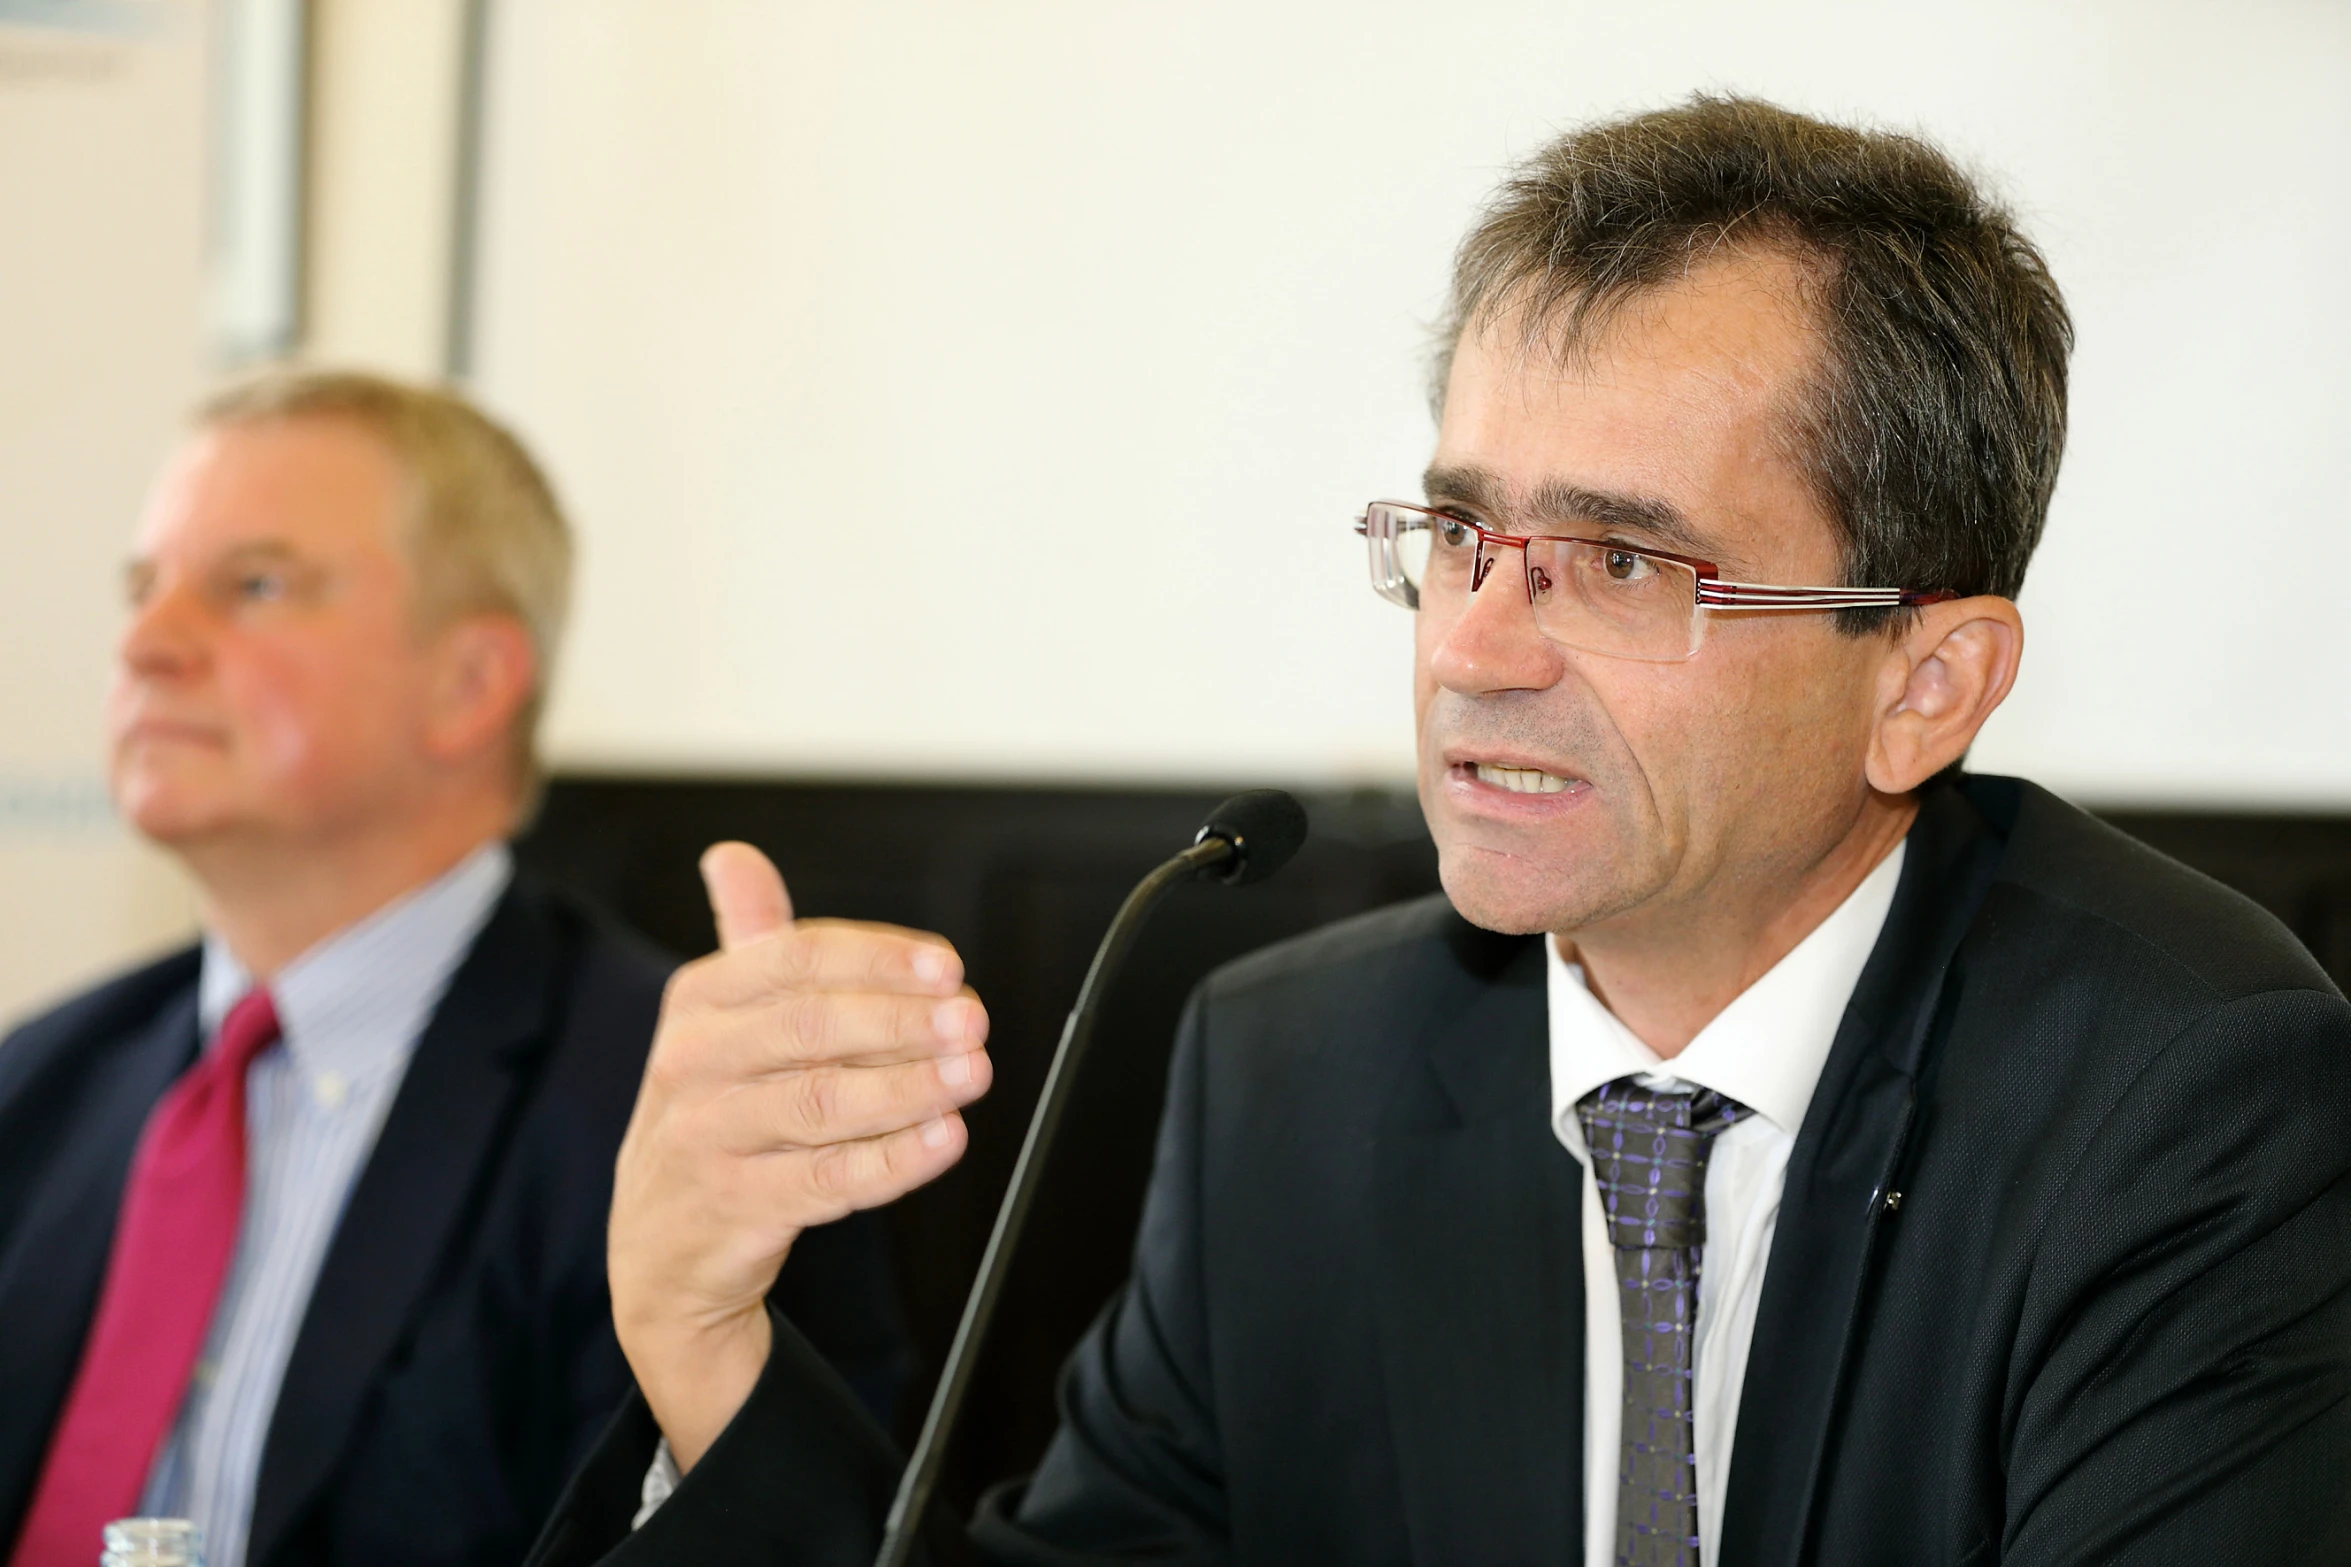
(661, 1478)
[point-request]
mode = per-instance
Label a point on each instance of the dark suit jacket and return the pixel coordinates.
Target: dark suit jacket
(457, 1356)
(2062, 1272)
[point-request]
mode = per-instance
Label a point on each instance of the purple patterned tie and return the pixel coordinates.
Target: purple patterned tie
(1649, 1158)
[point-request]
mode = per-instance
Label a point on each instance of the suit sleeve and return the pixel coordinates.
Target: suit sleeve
(2184, 1383)
(802, 1475)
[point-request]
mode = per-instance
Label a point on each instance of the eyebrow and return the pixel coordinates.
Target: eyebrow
(262, 549)
(139, 570)
(1556, 503)
(257, 549)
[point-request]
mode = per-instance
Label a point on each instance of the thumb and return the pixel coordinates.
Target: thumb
(747, 895)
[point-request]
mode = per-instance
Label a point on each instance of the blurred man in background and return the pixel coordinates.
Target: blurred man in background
(302, 1229)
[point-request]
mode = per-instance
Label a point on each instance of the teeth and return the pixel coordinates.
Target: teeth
(1521, 780)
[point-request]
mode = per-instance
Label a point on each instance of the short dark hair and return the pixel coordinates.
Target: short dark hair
(1935, 422)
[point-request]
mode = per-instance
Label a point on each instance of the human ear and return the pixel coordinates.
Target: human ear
(484, 672)
(1941, 680)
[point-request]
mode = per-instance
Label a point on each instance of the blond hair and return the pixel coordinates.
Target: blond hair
(485, 534)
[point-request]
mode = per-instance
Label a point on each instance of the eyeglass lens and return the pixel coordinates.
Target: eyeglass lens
(1595, 597)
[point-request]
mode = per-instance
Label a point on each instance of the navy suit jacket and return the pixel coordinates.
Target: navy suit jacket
(457, 1357)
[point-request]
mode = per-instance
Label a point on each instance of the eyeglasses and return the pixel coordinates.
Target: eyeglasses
(1593, 595)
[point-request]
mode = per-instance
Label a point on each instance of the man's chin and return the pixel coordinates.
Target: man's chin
(1512, 897)
(172, 818)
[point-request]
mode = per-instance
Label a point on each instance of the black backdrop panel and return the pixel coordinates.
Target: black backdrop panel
(1023, 880)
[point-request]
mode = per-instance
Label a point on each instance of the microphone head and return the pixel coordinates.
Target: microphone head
(1264, 826)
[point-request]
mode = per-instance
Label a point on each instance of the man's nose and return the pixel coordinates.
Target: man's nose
(164, 635)
(1493, 644)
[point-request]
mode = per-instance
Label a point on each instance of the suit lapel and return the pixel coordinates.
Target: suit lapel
(1480, 1285)
(1847, 1156)
(96, 1092)
(411, 1200)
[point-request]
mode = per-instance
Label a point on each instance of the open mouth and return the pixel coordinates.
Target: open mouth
(1510, 784)
(1523, 780)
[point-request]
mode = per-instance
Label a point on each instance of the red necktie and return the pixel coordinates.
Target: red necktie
(171, 1251)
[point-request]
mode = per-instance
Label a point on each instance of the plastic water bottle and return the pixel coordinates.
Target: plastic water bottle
(153, 1542)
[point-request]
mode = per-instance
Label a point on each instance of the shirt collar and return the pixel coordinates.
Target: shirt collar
(1765, 1050)
(358, 1000)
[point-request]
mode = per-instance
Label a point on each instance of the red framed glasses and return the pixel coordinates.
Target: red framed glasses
(1595, 595)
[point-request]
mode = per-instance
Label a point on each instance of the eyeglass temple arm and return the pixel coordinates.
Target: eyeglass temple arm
(1766, 595)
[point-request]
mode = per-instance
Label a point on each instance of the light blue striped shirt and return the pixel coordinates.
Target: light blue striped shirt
(352, 1009)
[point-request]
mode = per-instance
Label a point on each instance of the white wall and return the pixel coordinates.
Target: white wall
(384, 111)
(985, 390)
(102, 309)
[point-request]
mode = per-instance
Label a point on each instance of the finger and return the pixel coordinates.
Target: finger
(862, 955)
(722, 1051)
(805, 1029)
(869, 1173)
(826, 1105)
(829, 1028)
(831, 955)
(747, 895)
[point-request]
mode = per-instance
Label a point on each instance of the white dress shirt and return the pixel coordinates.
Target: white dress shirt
(351, 1009)
(1765, 1050)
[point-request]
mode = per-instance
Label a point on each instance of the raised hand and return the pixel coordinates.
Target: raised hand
(805, 1070)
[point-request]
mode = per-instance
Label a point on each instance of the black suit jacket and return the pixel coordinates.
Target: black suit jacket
(457, 1355)
(2062, 1271)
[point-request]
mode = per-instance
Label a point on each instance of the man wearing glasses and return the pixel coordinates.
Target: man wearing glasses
(1775, 1146)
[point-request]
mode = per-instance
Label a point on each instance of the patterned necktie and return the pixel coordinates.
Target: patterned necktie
(172, 1242)
(1649, 1153)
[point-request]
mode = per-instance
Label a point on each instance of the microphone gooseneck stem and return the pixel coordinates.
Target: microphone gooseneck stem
(904, 1526)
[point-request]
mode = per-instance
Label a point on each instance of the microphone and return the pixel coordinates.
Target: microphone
(1261, 830)
(1244, 840)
